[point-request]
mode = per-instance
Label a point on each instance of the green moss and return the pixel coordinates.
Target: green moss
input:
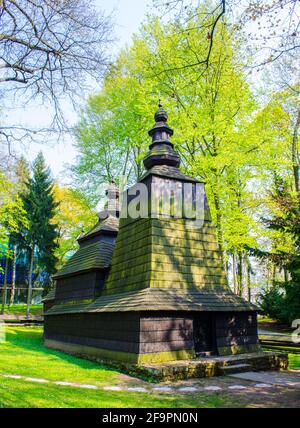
(162, 357)
(89, 351)
(238, 349)
(124, 357)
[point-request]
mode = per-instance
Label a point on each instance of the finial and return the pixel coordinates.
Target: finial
(160, 115)
(161, 148)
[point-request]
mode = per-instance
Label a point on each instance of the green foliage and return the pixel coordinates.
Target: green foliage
(283, 301)
(73, 217)
(223, 135)
(12, 213)
(272, 303)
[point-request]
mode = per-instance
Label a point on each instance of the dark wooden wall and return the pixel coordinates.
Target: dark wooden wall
(48, 304)
(115, 332)
(80, 286)
(166, 331)
(236, 328)
(150, 332)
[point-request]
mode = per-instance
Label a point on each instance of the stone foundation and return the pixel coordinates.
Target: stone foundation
(183, 369)
(215, 366)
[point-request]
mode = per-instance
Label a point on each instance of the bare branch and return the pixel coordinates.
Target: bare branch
(50, 50)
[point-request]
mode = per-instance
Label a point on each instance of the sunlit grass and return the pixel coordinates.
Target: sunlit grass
(23, 353)
(20, 309)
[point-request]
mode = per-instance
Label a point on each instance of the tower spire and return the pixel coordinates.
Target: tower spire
(161, 148)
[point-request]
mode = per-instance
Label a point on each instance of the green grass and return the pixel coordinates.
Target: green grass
(17, 393)
(23, 354)
(21, 309)
(294, 361)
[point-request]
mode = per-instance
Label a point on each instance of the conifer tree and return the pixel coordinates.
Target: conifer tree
(40, 239)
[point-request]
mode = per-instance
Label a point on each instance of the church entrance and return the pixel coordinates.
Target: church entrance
(205, 334)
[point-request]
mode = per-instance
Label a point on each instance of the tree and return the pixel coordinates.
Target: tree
(46, 48)
(21, 177)
(270, 27)
(73, 217)
(283, 300)
(40, 239)
(224, 136)
(12, 218)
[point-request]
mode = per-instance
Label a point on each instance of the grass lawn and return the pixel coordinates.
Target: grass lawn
(294, 361)
(17, 393)
(23, 353)
(21, 309)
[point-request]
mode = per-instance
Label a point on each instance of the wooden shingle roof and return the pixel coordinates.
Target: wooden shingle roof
(109, 224)
(169, 172)
(97, 255)
(50, 296)
(165, 253)
(156, 299)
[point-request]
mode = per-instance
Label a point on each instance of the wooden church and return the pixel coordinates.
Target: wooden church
(152, 288)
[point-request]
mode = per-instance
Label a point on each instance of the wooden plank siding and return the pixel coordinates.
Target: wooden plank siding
(81, 286)
(116, 332)
(234, 329)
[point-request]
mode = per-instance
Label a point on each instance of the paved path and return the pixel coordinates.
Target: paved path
(258, 380)
(272, 378)
(263, 390)
(270, 332)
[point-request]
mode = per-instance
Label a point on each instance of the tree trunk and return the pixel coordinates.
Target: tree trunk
(249, 279)
(240, 273)
(219, 226)
(295, 154)
(13, 280)
(286, 275)
(4, 291)
(274, 276)
(235, 285)
(29, 295)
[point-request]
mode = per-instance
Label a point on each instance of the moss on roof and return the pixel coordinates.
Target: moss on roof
(165, 253)
(155, 299)
(97, 255)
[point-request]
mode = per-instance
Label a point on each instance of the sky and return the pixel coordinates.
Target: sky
(128, 15)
